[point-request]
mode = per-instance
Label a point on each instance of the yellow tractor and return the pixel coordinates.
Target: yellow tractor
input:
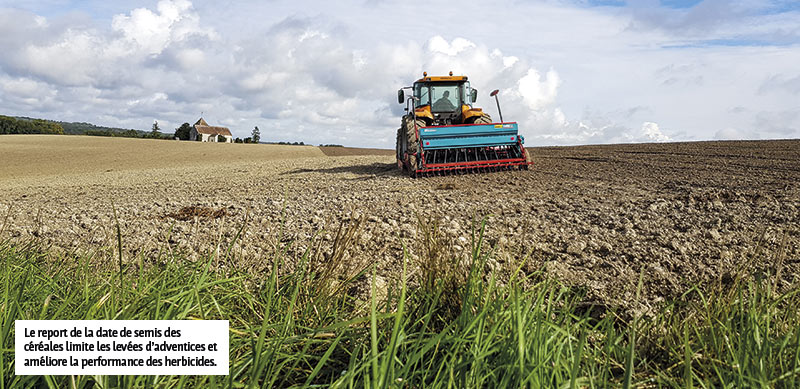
(442, 132)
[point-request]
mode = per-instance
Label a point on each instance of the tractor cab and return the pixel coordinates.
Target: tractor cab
(444, 100)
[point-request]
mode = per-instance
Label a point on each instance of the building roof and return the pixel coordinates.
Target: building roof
(203, 128)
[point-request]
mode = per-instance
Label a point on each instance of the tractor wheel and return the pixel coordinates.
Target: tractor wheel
(398, 152)
(399, 149)
(528, 159)
(483, 119)
(410, 128)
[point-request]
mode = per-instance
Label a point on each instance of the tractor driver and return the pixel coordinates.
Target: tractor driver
(444, 104)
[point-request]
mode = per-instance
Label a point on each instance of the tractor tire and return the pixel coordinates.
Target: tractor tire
(410, 128)
(398, 148)
(528, 159)
(483, 119)
(412, 160)
(398, 152)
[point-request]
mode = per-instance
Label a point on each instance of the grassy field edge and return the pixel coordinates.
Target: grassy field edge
(454, 323)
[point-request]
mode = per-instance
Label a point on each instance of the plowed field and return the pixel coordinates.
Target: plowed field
(594, 217)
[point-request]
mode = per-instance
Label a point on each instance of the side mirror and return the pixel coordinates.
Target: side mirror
(401, 97)
(473, 96)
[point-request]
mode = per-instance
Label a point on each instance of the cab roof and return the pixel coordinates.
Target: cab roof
(442, 79)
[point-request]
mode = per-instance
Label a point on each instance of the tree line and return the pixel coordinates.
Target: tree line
(24, 125)
(11, 125)
(155, 133)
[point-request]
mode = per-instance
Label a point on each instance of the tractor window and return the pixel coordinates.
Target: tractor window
(446, 97)
(421, 92)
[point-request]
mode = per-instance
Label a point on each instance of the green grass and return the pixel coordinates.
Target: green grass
(462, 328)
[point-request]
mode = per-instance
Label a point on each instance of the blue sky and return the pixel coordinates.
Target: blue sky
(679, 3)
(570, 72)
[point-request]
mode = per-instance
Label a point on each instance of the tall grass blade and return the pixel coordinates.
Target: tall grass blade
(373, 331)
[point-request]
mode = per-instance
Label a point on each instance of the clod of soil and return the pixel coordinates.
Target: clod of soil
(191, 212)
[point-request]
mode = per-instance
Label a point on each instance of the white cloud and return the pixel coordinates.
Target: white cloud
(190, 58)
(438, 44)
(77, 55)
(26, 94)
(25, 87)
(73, 60)
(559, 119)
(152, 32)
(651, 132)
(538, 92)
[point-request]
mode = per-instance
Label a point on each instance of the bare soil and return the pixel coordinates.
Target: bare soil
(333, 151)
(596, 217)
(30, 158)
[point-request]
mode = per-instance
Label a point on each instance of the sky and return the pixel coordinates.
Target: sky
(322, 72)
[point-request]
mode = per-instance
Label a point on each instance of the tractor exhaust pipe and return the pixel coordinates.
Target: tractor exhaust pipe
(494, 94)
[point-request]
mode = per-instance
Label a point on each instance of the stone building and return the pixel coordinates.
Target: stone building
(202, 132)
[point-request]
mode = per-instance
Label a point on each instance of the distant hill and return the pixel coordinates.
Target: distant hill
(78, 128)
(27, 125)
(81, 128)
